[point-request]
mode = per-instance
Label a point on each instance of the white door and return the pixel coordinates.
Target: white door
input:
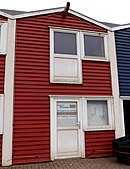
(68, 129)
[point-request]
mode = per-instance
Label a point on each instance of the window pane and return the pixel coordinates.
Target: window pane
(65, 68)
(97, 113)
(94, 46)
(66, 113)
(65, 43)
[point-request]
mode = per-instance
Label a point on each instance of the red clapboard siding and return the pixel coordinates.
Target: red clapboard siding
(2, 18)
(2, 73)
(99, 143)
(0, 149)
(31, 142)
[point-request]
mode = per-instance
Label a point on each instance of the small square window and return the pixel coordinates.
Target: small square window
(65, 43)
(97, 113)
(94, 46)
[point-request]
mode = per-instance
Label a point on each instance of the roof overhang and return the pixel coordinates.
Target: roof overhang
(49, 11)
(5, 15)
(121, 27)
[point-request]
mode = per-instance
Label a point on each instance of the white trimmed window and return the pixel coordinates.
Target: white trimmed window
(65, 62)
(1, 113)
(67, 47)
(98, 114)
(3, 37)
(94, 46)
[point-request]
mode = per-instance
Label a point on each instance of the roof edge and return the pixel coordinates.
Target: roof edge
(121, 27)
(6, 15)
(52, 10)
(36, 13)
(60, 9)
(90, 19)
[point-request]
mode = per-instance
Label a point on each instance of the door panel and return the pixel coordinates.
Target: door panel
(68, 129)
(67, 141)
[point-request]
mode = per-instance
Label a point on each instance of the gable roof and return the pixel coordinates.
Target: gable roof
(12, 14)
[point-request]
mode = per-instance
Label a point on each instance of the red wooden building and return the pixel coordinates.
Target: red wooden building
(56, 83)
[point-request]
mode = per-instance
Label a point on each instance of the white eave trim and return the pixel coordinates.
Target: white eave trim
(121, 27)
(36, 13)
(5, 15)
(61, 9)
(89, 19)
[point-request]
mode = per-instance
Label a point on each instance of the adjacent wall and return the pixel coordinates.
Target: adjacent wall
(31, 142)
(2, 74)
(122, 38)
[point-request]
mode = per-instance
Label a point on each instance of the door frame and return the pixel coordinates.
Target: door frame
(122, 98)
(53, 126)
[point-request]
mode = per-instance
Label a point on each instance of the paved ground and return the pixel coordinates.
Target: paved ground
(100, 163)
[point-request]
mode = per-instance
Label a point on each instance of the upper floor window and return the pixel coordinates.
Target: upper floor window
(65, 57)
(3, 37)
(67, 47)
(94, 46)
(65, 43)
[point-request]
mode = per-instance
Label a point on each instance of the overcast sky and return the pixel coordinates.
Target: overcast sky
(114, 11)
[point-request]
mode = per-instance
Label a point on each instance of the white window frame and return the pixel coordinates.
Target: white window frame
(95, 58)
(1, 112)
(3, 37)
(110, 126)
(71, 80)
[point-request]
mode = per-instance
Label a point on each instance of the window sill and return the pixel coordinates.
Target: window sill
(99, 129)
(96, 59)
(1, 54)
(66, 81)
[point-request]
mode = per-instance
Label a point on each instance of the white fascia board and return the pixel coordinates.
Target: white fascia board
(89, 19)
(36, 13)
(120, 27)
(5, 15)
(60, 10)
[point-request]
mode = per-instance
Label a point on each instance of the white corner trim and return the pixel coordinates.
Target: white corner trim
(1, 112)
(9, 95)
(119, 127)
